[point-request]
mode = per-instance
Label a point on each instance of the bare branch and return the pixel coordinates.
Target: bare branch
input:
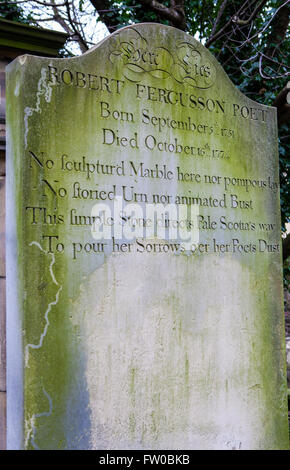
(235, 19)
(80, 39)
(239, 21)
(175, 14)
(218, 18)
(60, 19)
(102, 7)
(223, 29)
(272, 19)
(48, 4)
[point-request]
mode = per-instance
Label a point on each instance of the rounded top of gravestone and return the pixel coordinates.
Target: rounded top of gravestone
(161, 52)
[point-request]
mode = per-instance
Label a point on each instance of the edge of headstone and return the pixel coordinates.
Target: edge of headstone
(14, 373)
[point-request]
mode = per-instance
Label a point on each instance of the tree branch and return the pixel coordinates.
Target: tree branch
(60, 20)
(253, 15)
(235, 20)
(218, 18)
(104, 7)
(80, 39)
(175, 14)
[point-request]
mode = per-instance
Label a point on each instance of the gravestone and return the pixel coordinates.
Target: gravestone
(145, 302)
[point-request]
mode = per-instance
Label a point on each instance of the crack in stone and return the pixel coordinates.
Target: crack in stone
(31, 431)
(44, 89)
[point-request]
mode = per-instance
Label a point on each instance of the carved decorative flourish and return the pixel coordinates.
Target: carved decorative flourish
(185, 65)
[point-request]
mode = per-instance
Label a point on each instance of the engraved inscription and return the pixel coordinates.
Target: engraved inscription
(186, 65)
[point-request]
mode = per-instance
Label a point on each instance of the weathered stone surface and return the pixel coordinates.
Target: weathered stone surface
(142, 342)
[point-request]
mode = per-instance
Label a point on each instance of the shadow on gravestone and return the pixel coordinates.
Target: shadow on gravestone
(145, 306)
